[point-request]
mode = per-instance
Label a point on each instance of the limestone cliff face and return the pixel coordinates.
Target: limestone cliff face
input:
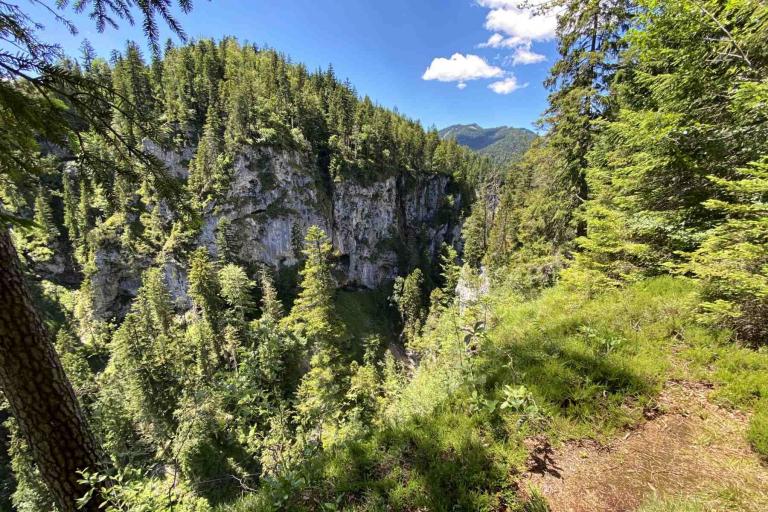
(114, 282)
(378, 227)
(275, 196)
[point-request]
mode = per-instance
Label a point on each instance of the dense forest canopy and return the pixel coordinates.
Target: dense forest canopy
(627, 249)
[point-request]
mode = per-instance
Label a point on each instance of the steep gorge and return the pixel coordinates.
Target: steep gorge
(379, 228)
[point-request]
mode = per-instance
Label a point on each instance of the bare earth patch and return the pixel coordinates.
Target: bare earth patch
(688, 449)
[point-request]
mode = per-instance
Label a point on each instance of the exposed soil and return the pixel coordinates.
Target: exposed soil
(687, 447)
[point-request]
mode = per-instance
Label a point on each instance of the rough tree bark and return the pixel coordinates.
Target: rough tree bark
(34, 383)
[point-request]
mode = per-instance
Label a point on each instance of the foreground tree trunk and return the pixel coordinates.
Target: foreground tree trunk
(41, 398)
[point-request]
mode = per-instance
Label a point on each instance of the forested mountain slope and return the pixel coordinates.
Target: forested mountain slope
(503, 144)
(241, 168)
(264, 150)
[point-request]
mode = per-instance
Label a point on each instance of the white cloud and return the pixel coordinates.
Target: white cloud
(517, 24)
(499, 41)
(523, 24)
(500, 4)
(461, 68)
(506, 86)
(524, 55)
(493, 42)
(512, 4)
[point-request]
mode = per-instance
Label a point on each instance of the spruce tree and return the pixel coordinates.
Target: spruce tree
(69, 200)
(732, 261)
(205, 287)
(590, 38)
(408, 296)
(45, 233)
(271, 308)
(209, 171)
(313, 314)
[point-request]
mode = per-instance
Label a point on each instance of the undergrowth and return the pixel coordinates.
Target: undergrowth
(563, 366)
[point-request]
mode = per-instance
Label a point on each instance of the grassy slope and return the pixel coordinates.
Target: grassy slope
(583, 367)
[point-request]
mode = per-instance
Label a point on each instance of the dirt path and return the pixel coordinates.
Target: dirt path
(690, 455)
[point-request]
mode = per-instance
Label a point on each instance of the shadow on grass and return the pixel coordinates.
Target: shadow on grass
(435, 463)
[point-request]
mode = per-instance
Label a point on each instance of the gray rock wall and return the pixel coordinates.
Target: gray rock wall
(273, 199)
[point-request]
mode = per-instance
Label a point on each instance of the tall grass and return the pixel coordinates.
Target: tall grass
(561, 366)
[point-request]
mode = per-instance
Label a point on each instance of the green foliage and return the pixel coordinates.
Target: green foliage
(244, 96)
(450, 270)
(408, 297)
(536, 502)
(131, 81)
(131, 490)
(475, 232)
(452, 434)
(654, 161)
(733, 257)
(145, 357)
(271, 308)
(681, 128)
(533, 222)
(236, 290)
(74, 359)
(30, 494)
(589, 43)
(313, 315)
(209, 171)
(45, 233)
(366, 314)
(205, 287)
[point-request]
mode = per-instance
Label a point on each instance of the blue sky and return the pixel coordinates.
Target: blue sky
(439, 61)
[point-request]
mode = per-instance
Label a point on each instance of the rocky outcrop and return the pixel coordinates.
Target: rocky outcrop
(365, 230)
(275, 196)
(472, 287)
(115, 280)
(378, 227)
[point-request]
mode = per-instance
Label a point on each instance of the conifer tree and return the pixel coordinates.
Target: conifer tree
(475, 232)
(209, 176)
(408, 296)
(45, 233)
(205, 292)
(205, 287)
(69, 200)
(682, 119)
(732, 261)
(236, 290)
(225, 243)
(145, 358)
(32, 377)
(313, 315)
(313, 318)
(130, 78)
(450, 270)
(271, 308)
(590, 40)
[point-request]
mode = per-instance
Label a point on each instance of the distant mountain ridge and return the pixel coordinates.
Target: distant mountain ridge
(504, 144)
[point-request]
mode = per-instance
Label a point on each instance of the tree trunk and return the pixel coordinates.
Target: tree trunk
(41, 398)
